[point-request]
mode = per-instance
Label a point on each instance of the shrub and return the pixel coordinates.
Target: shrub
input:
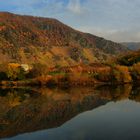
(38, 70)
(102, 75)
(14, 72)
(135, 71)
(3, 76)
(43, 80)
(3, 70)
(63, 79)
(120, 74)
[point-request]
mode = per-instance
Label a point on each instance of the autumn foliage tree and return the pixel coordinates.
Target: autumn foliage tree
(15, 72)
(135, 71)
(120, 74)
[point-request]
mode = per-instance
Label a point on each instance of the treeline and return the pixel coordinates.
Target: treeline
(68, 76)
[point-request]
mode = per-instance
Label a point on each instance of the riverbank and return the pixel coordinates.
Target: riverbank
(80, 75)
(50, 81)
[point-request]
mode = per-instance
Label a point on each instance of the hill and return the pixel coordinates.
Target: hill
(132, 45)
(27, 39)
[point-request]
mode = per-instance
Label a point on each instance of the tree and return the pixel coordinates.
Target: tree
(15, 72)
(135, 71)
(38, 70)
(120, 74)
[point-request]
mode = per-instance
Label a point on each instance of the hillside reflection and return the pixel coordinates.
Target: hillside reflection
(31, 109)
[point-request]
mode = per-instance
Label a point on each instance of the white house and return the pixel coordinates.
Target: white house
(26, 67)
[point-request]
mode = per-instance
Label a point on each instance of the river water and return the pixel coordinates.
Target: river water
(82, 113)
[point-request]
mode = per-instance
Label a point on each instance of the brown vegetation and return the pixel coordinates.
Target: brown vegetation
(27, 39)
(76, 75)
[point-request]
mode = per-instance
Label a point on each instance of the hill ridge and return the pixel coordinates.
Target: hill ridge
(29, 39)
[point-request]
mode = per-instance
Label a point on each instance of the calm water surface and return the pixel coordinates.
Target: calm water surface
(99, 113)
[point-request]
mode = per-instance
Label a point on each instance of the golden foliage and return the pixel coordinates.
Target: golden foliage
(14, 71)
(135, 71)
(121, 74)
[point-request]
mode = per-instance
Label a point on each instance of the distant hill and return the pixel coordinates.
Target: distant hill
(132, 45)
(27, 39)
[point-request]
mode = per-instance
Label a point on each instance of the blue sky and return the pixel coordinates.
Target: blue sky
(117, 20)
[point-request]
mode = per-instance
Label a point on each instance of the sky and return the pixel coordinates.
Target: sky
(116, 20)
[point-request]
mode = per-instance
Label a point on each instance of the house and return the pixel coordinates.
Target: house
(25, 67)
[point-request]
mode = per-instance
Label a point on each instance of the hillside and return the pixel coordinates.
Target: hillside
(27, 39)
(132, 45)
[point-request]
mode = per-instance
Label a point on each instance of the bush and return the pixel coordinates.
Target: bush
(38, 70)
(15, 73)
(135, 71)
(120, 74)
(3, 76)
(3, 70)
(102, 75)
(43, 80)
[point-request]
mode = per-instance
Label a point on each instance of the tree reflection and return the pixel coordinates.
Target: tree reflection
(30, 109)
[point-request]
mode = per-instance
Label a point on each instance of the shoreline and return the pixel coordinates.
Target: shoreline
(35, 83)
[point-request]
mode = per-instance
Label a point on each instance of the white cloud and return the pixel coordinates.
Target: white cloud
(75, 6)
(126, 35)
(116, 20)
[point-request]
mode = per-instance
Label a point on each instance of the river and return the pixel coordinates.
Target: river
(82, 113)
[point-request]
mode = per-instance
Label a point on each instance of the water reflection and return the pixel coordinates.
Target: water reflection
(27, 110)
